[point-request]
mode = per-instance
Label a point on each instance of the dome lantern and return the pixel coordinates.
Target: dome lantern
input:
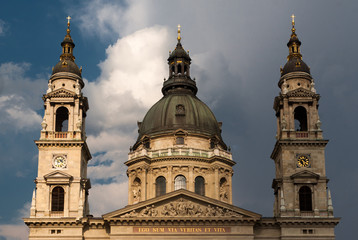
(294, 59)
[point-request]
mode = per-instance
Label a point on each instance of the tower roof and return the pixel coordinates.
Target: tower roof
(179, 51)
(294, 59)
(179, 108)
(67, 59)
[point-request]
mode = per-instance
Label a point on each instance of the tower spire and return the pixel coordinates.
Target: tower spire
(68, 25)
(179, 70)
(179, 38)
(67, 44)
(294, 44)
(293, 23)
(294, 58)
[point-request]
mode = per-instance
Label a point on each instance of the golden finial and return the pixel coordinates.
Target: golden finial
(293, 23)
(293, 20)
(179, 32)
(68, 21)
(68, 24)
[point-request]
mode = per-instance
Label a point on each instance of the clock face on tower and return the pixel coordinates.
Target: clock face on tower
(59, 162)
(303, 161)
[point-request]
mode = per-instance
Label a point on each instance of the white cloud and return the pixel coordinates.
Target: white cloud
(17, 104)
(16, 114)
(14, 232)
(130, 80)
(102, 18)
(105, 198)
(17, 231)
(2, 27)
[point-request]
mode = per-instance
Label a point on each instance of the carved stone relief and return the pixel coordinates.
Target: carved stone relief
(136, 189)
(182, 208)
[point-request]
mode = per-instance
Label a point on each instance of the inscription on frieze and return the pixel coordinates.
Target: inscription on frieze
(182, 230)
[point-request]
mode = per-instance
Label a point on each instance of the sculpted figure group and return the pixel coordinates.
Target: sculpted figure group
(182, 208)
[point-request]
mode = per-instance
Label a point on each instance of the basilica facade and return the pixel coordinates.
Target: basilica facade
(180, 169)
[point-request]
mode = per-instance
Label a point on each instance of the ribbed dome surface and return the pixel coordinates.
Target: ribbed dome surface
(295, 65)
(168, 114)
(70, 66)
(179, 52)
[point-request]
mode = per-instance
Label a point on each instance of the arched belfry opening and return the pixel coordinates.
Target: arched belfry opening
(300, 116)
(58, 199)
(62, 119)
(305, 198)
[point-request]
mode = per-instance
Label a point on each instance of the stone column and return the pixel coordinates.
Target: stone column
(216, 183)
(144, 184)
(170, 180)
(190, 185)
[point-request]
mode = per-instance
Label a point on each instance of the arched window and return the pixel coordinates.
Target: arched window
(58, 199)
(62, 119)
(305, 197)
(179, 182)
(179, 68)
(186, 69)
(300, 119)
(200, 185)
(161, 186)
(172, 70)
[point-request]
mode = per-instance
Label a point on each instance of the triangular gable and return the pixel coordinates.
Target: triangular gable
(58, 177)
(305, 176)
(182, 204)
(61, 93)
(300, 92)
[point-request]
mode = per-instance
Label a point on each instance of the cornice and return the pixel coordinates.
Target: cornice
(63, 221)
(299, 221)
(296, 142)
(210, 160)
(180, 221)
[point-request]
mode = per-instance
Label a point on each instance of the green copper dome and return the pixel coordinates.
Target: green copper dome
(179, 111)
(179, 108)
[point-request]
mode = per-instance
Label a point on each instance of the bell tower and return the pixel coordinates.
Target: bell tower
(62, 184)
(300, 184)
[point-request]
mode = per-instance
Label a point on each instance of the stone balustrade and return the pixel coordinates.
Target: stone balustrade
(73, 135)
(180, 152)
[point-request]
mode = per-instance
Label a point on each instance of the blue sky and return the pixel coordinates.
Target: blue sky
(237, 48)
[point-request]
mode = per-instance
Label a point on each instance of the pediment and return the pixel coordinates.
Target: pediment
(58, 177)
(305, 177)
(182, 204)
(61, 93)
(305, 174)
(300, 92)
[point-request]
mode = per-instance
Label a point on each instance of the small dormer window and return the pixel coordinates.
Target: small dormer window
(146, 142)
(180, 110)
(179, 140)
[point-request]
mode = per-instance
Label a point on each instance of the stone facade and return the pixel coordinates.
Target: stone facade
(180, 169)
